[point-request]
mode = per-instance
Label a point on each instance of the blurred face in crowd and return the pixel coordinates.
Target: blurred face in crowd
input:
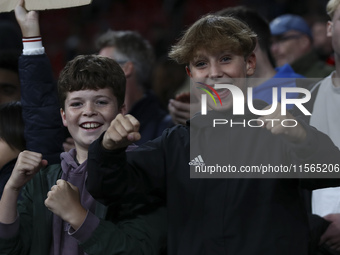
(107, 52)
(321, 41)
(333, 30)
(289, 46)
(7, 153)
(9, 86)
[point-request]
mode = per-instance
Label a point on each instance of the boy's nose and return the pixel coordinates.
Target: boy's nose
(89, 110)
(215, 71)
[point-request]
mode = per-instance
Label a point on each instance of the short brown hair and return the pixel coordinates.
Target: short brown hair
(213, 32)
(92, 72)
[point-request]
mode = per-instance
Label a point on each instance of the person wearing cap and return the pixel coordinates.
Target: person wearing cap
(292, 43)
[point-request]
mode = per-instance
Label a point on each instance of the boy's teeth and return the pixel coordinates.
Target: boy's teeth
(90, 125)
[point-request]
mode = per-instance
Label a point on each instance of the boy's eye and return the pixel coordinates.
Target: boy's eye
(102, 102)
(75, 104)
(225, 59)
(200, 64)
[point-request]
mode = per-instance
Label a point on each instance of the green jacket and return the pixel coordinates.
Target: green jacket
(141, 234)
(311, 66)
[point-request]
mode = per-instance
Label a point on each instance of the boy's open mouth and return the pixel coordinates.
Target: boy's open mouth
(90, 125)
(223, 93)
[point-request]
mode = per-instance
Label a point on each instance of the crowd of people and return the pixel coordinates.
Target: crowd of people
(97, 163)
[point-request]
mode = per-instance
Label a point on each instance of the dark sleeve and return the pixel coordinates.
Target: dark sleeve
(142, 234)
(9, 243)
(317, 226)
(20, 243)
(137, 176)
(44, 132)
(317, 149)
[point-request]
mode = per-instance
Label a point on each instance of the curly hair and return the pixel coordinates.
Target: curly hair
(92, 72)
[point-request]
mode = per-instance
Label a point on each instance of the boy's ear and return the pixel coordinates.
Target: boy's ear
(251, 64)
(329, 28)
(188, 71)
(63, 117)
(128, 69)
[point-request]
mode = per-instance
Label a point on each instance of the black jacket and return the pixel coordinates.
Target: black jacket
(44, 131)
(215, 216)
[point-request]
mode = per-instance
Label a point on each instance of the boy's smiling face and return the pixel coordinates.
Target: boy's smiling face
(88, 113)
(219, 67)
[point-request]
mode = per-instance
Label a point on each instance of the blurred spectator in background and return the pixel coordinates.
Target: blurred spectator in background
(9, 76)
(10, 36)
(168, 78)
(136, 57)
(12, 140)
(321, 42)
(324, 106)
(10, 49)
(292, 43)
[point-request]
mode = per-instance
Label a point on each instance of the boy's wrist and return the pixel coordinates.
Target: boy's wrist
(33, 45)
(77, 218)
(85, 231)
(12, 188)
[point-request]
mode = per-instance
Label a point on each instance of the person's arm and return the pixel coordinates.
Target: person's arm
(331, 237)
(137, 176)
(27, 165)
(142, 234)
(308, 146)
(44, 132)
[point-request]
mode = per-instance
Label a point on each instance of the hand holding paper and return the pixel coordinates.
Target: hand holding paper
(28, 21)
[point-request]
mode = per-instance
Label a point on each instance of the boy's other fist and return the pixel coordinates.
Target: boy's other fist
(27, 165)
(64, 200)
(293, 130)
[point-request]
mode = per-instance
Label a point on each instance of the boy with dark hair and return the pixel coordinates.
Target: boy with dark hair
(56, 214)
(214, 216)
(92, 92)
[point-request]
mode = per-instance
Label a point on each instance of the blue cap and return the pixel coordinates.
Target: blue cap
(287, 22)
